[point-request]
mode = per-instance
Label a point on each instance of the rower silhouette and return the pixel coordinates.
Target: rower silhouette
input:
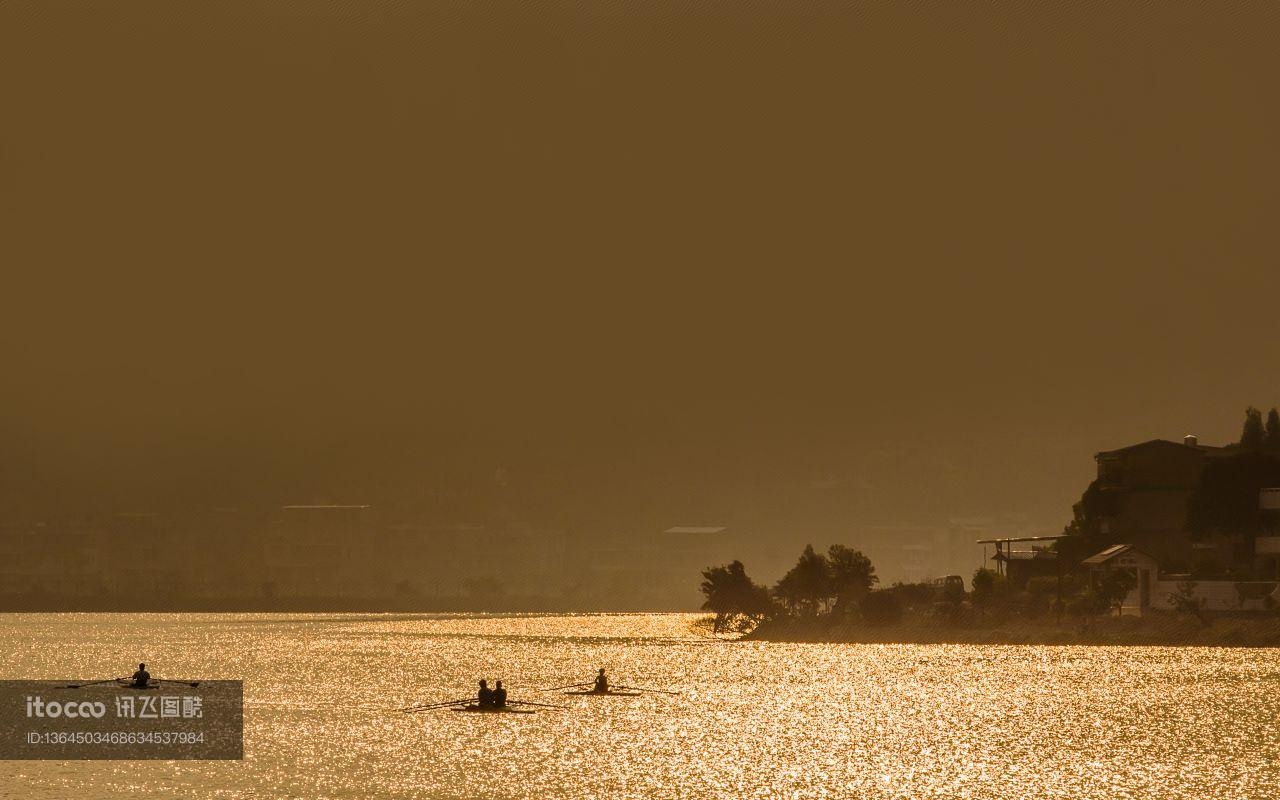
(602, 683)
(499, 695)
(485, 700)
(141, 678)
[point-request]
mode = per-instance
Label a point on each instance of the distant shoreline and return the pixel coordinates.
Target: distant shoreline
(47, 604)
(1162, 630)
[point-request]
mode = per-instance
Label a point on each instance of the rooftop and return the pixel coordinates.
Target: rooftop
(1022, 539)
(1203, 448)
(1025, 555)
(1110, 553)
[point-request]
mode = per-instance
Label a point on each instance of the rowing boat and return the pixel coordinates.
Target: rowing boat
(610, 693)
(495, 710)
(125, 683)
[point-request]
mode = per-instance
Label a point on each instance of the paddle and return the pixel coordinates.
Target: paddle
(429, 706)
(642, 689)
(412, 709)
(570, 686)
(527, 703)
(432, 708)
(92, 683)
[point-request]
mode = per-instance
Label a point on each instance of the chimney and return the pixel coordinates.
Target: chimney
(1191, 440)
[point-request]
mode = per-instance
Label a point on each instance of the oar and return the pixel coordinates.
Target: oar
(92, 683)
(429, 706)
(192, 684)
(570, 686)
(527, 703)
(438, 703)
(432, 708)
(642, 689)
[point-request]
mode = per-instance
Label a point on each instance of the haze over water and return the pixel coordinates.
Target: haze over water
(751, 720)
(771, 265)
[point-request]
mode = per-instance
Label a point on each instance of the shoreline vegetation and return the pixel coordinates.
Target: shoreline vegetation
(1165, 629)
(831, 598)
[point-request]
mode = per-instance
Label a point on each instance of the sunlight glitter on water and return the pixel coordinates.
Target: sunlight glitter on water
(750, 720)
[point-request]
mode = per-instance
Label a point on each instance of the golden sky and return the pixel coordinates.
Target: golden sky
(700, 247)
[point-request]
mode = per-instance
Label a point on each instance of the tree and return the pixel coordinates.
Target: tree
(1253, 434)
(1272, 437)
(806, 588)
(1085, 534)
(986, 585)
(1113, 588)
(1186, 601)
(1227, 498)
(738, 602)
(1083, 607)
(951, 601)
(851, 575)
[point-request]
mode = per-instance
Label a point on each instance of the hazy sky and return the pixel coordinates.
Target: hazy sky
(650, 258)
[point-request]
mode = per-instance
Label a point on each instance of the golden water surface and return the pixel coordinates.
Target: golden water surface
(750, 719)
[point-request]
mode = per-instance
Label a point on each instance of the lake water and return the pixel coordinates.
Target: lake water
(750, 720)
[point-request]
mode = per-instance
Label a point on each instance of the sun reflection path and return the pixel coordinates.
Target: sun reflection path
(751, 720)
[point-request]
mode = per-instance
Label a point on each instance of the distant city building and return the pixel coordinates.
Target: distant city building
(655, 571)
(143, 555)
(918, 553)
(319, 551)
(52, 558)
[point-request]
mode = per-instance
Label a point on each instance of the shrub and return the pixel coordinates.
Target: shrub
(949, 611)
(989, 589)
(1042, 586)
(1083, 606)
(1114, 587)
(881, 608)
(912, 595)
(1185, 601)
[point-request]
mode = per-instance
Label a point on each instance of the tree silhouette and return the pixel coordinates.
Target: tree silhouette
(806, 588)
(1253, 434)
(1113, 588)
(986, 586)
(1187, 602)
(1272, 437)
(852, 576)
(737, 601)
(1226, 501)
